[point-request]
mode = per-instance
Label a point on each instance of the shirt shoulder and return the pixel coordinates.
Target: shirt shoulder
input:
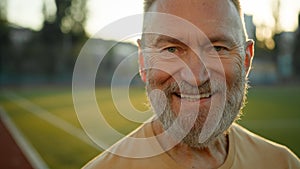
(259, 152)
(130, 153)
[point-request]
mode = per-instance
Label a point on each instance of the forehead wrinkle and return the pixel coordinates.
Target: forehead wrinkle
(215, 13)
(223, 37)
(164, 38)
(156, 40)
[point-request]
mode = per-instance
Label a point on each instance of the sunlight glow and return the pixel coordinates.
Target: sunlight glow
(289, 14)
(102, 12)
(262, 13)
(25, 13)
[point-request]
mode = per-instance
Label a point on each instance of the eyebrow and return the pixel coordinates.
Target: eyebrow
(158, 42)
(222, 38)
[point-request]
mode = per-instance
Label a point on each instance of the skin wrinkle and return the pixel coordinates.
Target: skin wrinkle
(148, 6)
(153, 53)
(191, 153)
(192, 138)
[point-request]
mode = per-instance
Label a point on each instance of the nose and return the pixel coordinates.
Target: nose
(194, 70)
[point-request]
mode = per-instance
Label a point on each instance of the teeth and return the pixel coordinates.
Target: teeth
(194, 97)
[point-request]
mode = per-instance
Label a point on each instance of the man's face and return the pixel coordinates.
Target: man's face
(203, 70)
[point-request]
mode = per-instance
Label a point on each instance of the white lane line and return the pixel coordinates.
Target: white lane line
(49, 117)
(30, 153)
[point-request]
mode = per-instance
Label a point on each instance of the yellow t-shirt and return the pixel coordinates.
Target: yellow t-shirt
(246, 150)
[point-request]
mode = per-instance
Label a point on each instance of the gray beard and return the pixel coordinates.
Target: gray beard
(235, 100)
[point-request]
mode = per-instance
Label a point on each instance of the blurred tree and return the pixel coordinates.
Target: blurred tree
(62, 35)
(296, 53)
(48, 54)
(3, 11)
(49, 11)
(68, 15)
(266, 32)
(3, 22)
(74, 18)
(276, 7)
(4, 38)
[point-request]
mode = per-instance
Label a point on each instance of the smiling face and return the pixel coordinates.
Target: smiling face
(199, 58)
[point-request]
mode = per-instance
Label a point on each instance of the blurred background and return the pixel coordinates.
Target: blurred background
(40, 41)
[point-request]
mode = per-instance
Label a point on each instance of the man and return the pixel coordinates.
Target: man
(195, 57)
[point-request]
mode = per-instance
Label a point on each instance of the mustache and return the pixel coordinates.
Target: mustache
(184, 87)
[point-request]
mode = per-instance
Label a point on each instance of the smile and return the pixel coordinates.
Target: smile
(193, 97)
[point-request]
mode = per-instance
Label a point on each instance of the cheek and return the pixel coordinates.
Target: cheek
(229, 68)
(233, 70)
(162, 72)
(158, 78)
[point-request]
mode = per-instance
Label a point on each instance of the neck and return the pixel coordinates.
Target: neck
(212, 156)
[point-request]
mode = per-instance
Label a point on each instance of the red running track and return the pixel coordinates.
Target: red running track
(11, 156)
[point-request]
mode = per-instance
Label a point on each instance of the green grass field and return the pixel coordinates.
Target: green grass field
(271, 112)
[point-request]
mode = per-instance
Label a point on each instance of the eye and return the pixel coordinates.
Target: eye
(172, 52)
(171, 49)
(219, 48)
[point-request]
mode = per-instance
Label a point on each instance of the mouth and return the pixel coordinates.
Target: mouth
(191, 97)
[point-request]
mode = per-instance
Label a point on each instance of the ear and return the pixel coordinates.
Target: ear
(249, 56)
(142, 69)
